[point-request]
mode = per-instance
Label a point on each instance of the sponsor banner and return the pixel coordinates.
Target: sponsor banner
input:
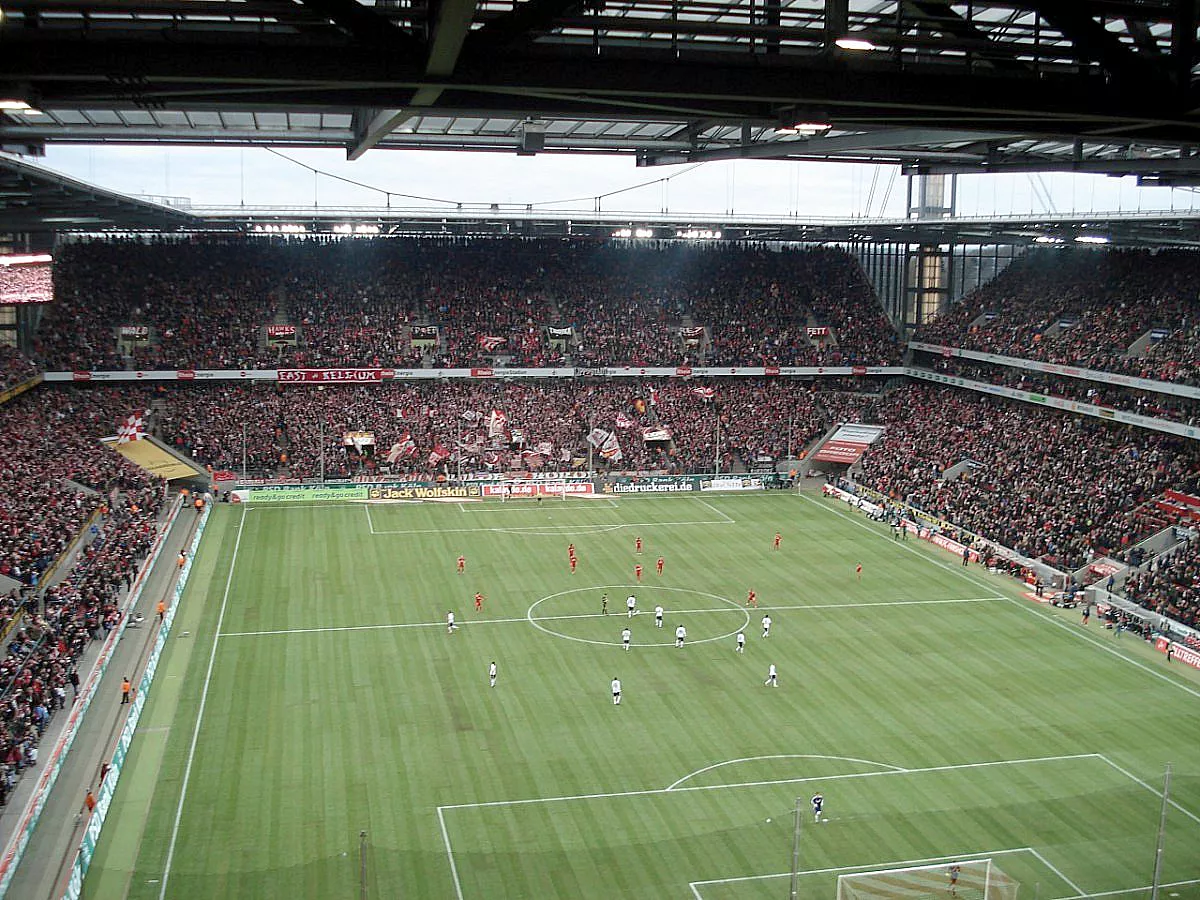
(683, 371)
(1087, 409)
(330, 376)
(1182, 652)
(298, 376)
(423, 492)
(731, 484)
(663, 485)
(538, 489)
(1147, 384)
(312, 494)
(223, 475)
(87, 846)
(170, 375)
(841, 452)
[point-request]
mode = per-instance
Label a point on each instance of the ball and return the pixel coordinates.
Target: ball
(768, 821)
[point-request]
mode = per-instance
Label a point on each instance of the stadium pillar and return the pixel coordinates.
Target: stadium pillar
(930, 197)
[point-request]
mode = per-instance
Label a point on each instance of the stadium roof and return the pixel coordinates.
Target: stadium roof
(34, 199)
(938, 86)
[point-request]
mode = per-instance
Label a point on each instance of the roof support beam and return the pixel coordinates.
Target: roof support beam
(366, 27)
(1115, 167)
(450, 31)
(885, 139)
(940, 13)
(519, 26)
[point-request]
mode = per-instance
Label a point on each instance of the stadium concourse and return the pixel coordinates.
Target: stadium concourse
(1048, 484)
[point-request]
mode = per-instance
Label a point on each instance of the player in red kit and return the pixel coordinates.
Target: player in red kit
(858, 571)
(572, 562)
(658, 565)
(570, 551)
(478, 602)
(751, 599)
(637, 573)
(778, 540)
(462, 564)
(637, 545)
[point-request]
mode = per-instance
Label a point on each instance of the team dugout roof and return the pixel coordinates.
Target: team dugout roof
(937, 86)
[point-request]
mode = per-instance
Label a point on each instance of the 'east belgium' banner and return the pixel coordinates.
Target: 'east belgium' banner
(332, 376)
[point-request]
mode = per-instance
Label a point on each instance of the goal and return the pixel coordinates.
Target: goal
(970, 879)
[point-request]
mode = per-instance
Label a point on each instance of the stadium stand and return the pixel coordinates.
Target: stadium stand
(56, 476)
(1087, 308)
(1170, 587)
(206, 304)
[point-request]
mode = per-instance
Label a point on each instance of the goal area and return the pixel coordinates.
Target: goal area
(974, 879)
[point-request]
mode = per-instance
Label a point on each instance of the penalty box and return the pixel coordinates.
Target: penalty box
(732, 839)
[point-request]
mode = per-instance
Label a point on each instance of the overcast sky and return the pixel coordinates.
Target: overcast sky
(258, 177)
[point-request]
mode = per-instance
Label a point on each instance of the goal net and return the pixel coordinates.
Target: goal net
(975, 879)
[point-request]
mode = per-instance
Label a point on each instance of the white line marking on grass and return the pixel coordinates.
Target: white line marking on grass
(1155, 791)
(212, 658)
(450, 855)
(730, 762)
(743, 784)
(1057, 871)
(1138, 890)
(1020, 604)
(370, 524)
(386, 626)
(718, 512)
(869, 867)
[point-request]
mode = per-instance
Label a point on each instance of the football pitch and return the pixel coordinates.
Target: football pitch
(312, 692)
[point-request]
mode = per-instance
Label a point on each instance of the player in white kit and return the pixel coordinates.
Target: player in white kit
(772, 679)
(766, 624)
(658, 614)
(616, 689)
(492, 674)
(626, 634)
(631, 605)
(741, 642)
(680, 634)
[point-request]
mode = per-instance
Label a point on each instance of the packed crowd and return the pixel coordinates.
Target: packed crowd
(1086, 308)
(56, 475)
(1171, 587)
(433, 426)
(1183, 410)
(206, 303)
(14, 368)
(1046, 484)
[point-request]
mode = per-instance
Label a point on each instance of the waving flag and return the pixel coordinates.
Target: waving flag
(404, 448)
(654, 396)
(131, 428)
(704, 393)
(497, 423)
(610, 449)
(623, 421)
(437, 454)
(490, 342)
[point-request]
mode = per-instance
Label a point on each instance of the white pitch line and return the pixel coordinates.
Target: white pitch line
(559, 529)
(718, 512)
(650, 792)
(1137, 890)
(389, 626)
(450, 855)
(730, 762)
(1024, 605)
(212, 657)
(370, 524)
(976, 856)
(1155, 791)
(1057, 871)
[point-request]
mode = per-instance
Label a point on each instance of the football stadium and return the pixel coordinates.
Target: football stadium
(408, 497)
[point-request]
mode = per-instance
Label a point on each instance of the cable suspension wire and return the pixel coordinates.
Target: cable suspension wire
(596, 198)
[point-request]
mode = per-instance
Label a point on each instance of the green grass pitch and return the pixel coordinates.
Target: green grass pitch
(317, 695)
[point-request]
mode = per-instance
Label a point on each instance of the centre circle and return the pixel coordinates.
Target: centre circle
(645, 613)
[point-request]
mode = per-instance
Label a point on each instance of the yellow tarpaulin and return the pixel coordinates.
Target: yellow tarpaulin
(154, 459)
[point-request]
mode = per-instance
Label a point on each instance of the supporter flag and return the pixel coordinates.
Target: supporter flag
(545, 448)
(517, 436)
(438, 453)
(471, 416)
(623, 421)
(497, 423)
(654, 396)
(131, 428)
(640, 405)
(610, 449)
(704, 393)
(404, 448)
(597, 436)
(490, 342)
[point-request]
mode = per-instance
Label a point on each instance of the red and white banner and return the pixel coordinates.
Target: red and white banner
(844, 452)
(281, 331)
(489, 342)
(1182, 652)
(330, 376)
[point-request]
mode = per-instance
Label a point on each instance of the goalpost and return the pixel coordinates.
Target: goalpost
(973, 879)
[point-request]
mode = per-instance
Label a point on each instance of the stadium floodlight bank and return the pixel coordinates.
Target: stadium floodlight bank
(974, 879)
